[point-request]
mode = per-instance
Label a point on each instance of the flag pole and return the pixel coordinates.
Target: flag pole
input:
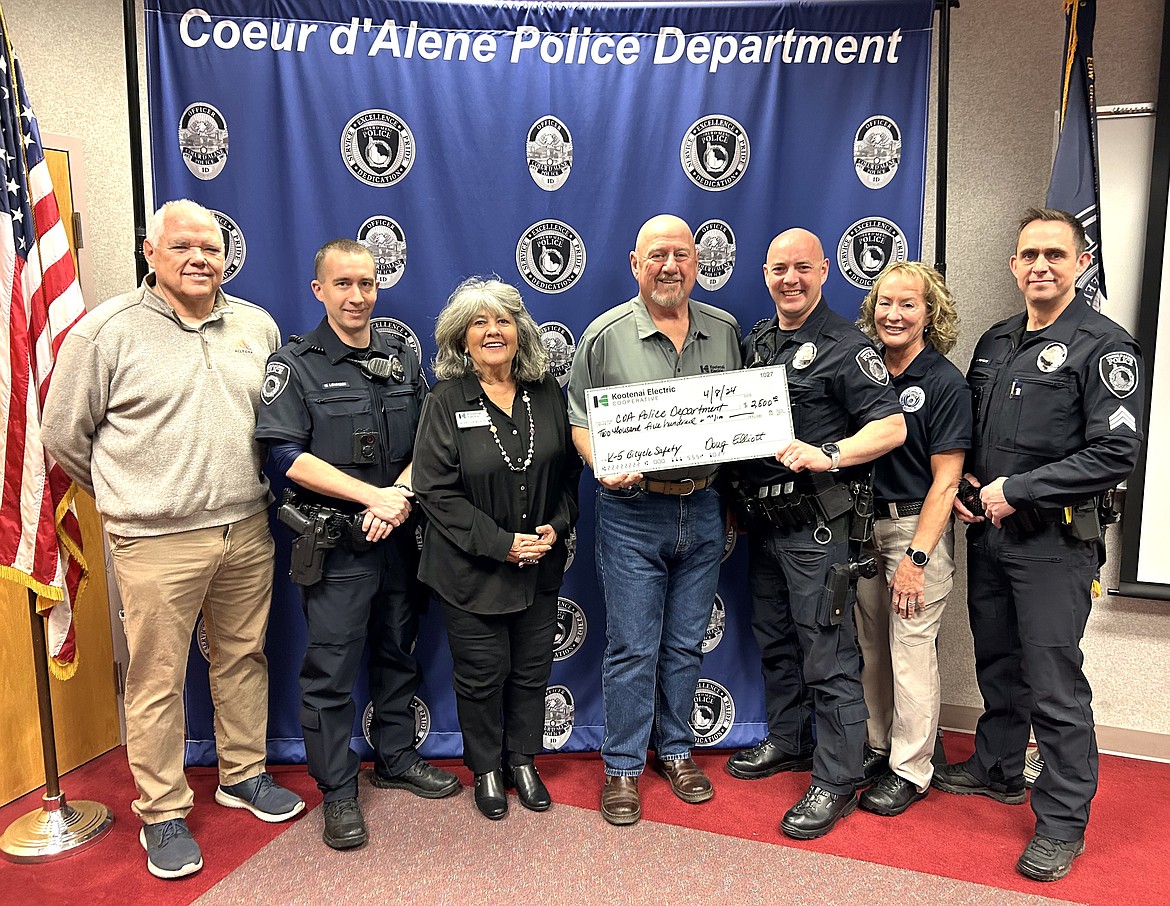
(134, 109)
(58, 828)
(943, 8)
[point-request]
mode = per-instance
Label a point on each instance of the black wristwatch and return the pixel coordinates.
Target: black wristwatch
(918, 558)
(834, 453)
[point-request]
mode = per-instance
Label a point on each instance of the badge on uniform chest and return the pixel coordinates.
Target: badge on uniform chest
(473, 418)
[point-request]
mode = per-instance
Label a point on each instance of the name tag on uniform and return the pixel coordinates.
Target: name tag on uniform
(473, 418)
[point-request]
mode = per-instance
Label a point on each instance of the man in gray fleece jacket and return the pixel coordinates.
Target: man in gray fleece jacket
(152, 410)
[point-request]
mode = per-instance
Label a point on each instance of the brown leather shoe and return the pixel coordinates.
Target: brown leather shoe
(686, 778)
(620, 803)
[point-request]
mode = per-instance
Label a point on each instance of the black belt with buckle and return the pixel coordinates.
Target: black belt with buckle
(892, 509)
(680, 488)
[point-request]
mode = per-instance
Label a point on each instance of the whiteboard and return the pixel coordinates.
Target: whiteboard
(1125, 149)
(1126, 160)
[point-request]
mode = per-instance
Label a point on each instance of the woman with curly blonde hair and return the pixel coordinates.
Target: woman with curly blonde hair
(910, 313)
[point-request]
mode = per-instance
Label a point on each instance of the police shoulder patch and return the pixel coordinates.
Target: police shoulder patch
(1119, 373)
(872, 366)
(276, 377)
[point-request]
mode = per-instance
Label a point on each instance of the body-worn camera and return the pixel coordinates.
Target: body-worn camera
(365, 446)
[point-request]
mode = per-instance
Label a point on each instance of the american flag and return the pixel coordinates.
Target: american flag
(1075, 183)
(40, 300)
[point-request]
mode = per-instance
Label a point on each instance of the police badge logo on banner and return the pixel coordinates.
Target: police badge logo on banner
(713, 712)
(560, 344)
(203, 140)
(377, 147)
(559, 711)
(570, 548)
(422, 721)
(400, 329)
(572, 628)
(1119, 373)
(877, 151)
(715, 246)
(715, 626)
(715, 152)
(550, 256)
(201, 639)
(235, 249)
(387, 243)
(867, 247)
(550, 153)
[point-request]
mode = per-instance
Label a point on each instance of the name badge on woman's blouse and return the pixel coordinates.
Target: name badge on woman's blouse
(473, 418)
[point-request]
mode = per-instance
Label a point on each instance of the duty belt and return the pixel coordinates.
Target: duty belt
(680, 488)
(892, 509)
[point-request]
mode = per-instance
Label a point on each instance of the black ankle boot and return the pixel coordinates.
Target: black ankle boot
(489, 795)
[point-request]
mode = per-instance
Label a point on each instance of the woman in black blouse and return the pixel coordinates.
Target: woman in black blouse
(496, 473)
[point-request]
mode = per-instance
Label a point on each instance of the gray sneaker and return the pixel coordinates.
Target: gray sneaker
(171, 851)
(263, 797)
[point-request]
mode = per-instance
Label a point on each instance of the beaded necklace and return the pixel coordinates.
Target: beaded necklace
(496, 434)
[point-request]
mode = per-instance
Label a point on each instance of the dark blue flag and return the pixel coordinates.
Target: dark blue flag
(1074, 185)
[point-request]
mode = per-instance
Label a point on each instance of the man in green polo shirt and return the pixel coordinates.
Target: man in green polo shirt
(659, 537)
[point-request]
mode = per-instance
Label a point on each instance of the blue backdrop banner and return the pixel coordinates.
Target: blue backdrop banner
(531, 141)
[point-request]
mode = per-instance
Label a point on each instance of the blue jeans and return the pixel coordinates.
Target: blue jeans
(658, 568)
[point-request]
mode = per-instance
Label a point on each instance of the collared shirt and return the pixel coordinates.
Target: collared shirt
(937, 404)
(315, 394)
(475, 504)
(623, 346)
(1059, 413)
(837, 382)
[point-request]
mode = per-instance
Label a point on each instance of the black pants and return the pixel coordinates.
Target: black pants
(809, 663)
(369, 596)
(1029, 601)
(502, 664)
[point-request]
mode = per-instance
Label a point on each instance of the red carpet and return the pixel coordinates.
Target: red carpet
(964, 837)
(970, 838)
(114, 869)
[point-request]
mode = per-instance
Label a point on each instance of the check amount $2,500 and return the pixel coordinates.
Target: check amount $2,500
(671, 424)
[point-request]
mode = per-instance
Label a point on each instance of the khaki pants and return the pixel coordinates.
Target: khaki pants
(900, 660)
(165, 580)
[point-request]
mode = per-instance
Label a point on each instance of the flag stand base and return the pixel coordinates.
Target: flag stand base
(56, 830)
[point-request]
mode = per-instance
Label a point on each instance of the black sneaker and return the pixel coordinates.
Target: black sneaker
(421, 778)
(171, 851)
(1045, 859)
(765, 759)
(263, 797)
(344, 826)
(954, 778)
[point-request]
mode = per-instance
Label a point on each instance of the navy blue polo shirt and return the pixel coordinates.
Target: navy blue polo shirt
(936, 401)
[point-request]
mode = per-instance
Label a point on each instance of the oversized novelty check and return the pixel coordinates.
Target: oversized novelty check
(680, 422)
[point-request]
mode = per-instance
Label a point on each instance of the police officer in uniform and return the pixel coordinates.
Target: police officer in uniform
(1058, 421)
(340, 410)
(797, 509)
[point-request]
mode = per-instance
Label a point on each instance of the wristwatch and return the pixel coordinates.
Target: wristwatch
(918, 558)
(834, 453)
